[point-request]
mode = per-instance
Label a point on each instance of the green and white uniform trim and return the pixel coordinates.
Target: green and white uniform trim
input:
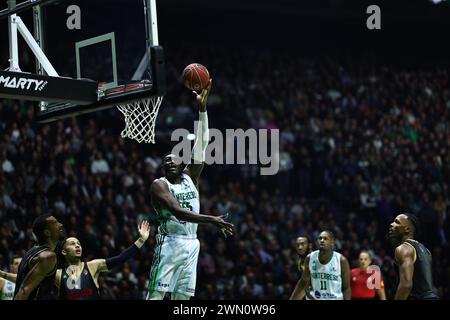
(326, 280)
(188, 197)
(174, 266)
(7, 292)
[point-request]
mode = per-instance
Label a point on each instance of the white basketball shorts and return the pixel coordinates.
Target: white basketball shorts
(174, 266)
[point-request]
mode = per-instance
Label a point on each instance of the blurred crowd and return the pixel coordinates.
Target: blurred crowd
(360, 141)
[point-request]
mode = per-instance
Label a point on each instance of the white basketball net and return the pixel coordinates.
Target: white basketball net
(140, 118)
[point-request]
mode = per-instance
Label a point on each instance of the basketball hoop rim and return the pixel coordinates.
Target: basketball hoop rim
(66, 110)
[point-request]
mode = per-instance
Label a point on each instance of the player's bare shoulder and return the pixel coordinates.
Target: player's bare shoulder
(404, 251)
(343, 259)
(46, 260)
(307, 259)
(46, 256)
(158, 186)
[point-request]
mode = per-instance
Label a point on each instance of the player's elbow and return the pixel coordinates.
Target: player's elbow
(181, 214)
(22, 294)
(178, 213)
(172, 206)
(303, 283)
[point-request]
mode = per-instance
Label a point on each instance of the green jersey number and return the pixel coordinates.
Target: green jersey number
(185, 205)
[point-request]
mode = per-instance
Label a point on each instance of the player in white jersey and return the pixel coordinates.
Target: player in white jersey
(328, 271)
(175, 198)
(8, 280)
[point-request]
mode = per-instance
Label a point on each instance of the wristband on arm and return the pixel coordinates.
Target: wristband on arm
(202, 138)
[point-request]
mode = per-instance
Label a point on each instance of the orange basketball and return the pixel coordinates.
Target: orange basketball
(195, 77)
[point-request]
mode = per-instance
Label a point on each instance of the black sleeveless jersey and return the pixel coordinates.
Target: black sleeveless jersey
(422, 278)
(83, 289)
(300, 264)
(47, 289)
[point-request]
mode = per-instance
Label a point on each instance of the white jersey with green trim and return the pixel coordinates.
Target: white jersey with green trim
(188, 197)
(326, 279)
(8, 290)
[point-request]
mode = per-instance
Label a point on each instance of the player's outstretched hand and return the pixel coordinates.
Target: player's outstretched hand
(144, 230)
(226, 228)
(202, 98)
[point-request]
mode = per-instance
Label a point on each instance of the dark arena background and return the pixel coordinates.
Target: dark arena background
(364, 121)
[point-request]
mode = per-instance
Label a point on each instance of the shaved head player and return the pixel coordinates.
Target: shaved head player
(175, 198)
(36, 276)
(413, 261)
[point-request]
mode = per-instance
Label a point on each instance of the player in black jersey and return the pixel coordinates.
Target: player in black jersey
(79, 280)
(304, 247)
(36, 276)
(412, 259)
